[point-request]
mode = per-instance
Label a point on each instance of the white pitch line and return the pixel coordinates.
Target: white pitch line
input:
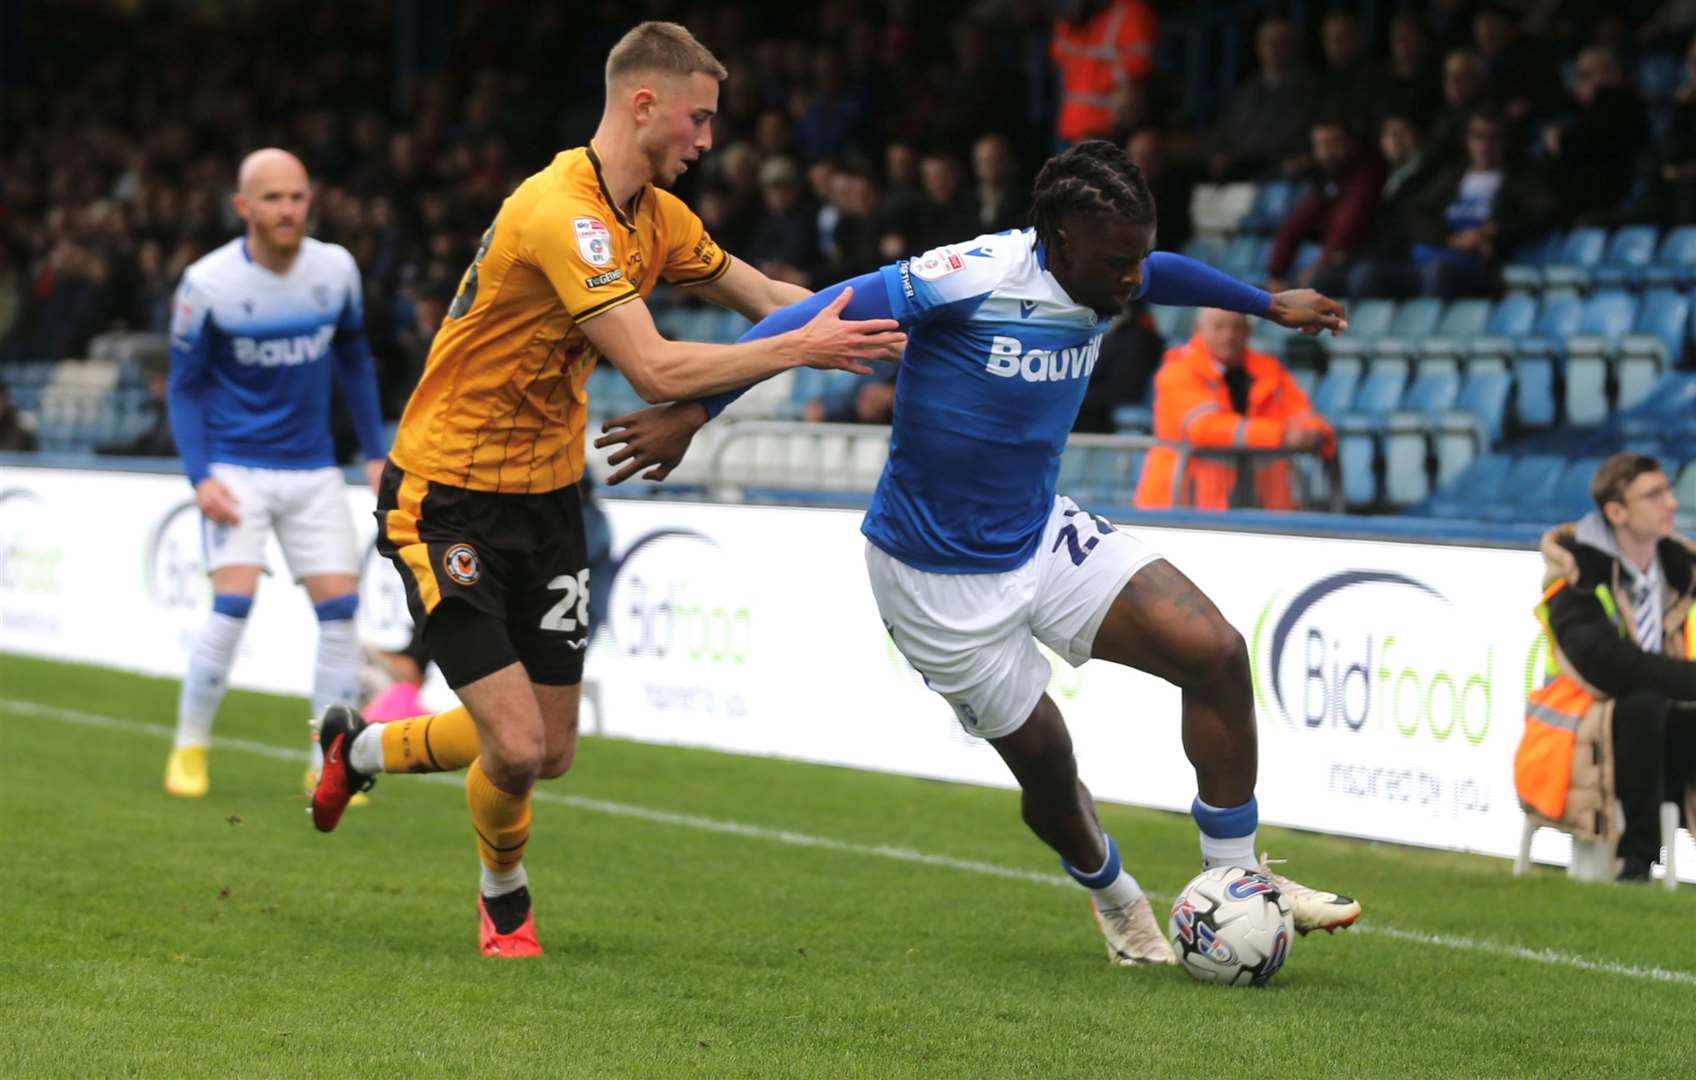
(1458, 943)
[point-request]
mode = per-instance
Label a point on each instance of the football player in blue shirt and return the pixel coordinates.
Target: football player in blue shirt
(974, 557)
(260, 327)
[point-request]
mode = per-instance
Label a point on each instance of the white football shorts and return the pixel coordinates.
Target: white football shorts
(308, 508)
(973, 636)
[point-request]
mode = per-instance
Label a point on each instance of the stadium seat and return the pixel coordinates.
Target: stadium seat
(1207, 249)
(1413, 321)
(1435, 388)
(1462, 321)
(1523, 273)
(1570, 265)
(1133, 419)
(1684, 489)
(1526, 491)
(1480, 484)
(1655, 344)
(1407, 452)
(1509, 320)
(1272, 203)
(1571, 498)
(1628, 254)
(1369, 320)
(1536, 356)
(1380, 392)
(1474, 425)
(1244, 257)
(1675, 261)
(1335, 393)
(1218, 208)
(1357, 454)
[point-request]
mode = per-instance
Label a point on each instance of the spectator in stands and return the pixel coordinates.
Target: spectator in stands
(739, 165)
(785, 242)
(156, 440)
(1265, 130)
(1097, 46)
(1471, 218)
(900, 208)
(854, 244)
(1336, 212)
(1667, 188)
(1465, 82)
(1131, 352)
(945, 213)
(999, 200)
(833, 119)
(868, 399)
(1170, 184)
(1410, 170)
(1524, 79)
(1214, 392)
(1352, 86)
(1621, 586)
(17, 433)
(1592, 160)
(1412, 88)
(979, 91)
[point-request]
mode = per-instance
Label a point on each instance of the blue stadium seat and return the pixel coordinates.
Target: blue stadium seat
(1435, 388)
(1629, 252)
(1675, 261)
(1357, 457)
(1406, 453)
(1655, 344)
(1529, 485)
(1244, 257)
(1480, 484)
(1474, 425)
(1523, 273)
(1572, 490)
(1509, 320)
(1380, 393)
(1414, 321)
(1272, 204)
(1133, 419)
(1570, 265)
(1369, 320)
(1306, 256)
(1335, 393)
(1207, 249)
(1535, 358)
(1603, 322)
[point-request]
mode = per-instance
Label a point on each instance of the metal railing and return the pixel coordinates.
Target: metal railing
(849, 459)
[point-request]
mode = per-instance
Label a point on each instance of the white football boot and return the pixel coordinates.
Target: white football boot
(1133, 934)
(1313, 909)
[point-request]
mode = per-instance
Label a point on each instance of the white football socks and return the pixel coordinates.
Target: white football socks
(366, 753)
(207, 677)
(499, 883)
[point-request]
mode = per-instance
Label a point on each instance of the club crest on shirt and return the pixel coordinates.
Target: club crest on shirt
(462, 564)
(594, 243)
(321, 295)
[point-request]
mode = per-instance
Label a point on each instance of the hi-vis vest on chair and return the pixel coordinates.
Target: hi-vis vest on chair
(1563, 769)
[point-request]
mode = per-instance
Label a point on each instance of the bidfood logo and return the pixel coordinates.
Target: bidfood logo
(1374, 652)
(675, 597)
(30, 562)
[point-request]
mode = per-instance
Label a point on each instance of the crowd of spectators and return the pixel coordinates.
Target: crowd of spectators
(849, 134)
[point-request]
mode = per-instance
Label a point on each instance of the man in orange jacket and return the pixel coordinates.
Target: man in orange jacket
(1098, 47)
(1214, 391)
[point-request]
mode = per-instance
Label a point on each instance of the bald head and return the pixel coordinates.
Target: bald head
(273, 196)
(269, 166)
(1224, 334)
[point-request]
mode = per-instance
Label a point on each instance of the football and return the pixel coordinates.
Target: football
(1231, 926)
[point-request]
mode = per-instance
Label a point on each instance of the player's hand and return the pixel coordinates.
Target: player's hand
(655, 438)
(1307, 311)
(374, 473)
(830, 341)
(216, 502)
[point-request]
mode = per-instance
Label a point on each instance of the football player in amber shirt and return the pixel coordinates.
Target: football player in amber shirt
(478, 507)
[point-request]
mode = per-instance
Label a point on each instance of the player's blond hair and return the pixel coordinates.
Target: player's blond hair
(663, 47)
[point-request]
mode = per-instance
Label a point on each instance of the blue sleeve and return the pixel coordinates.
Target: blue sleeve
(870, 301)
(356, 372)
(191, 357)
(1184, 282)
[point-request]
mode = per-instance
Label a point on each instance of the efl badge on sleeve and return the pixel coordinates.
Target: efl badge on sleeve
(594, 243)
(938, 263)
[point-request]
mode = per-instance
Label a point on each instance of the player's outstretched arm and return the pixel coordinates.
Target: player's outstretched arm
(655, 439)
(747, 291)
(662, 370)
(191, 359)
(1183, 282)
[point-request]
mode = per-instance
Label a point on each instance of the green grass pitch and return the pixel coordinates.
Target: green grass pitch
(713, 915)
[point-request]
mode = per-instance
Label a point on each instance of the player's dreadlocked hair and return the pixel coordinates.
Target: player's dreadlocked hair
(1093, 177)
